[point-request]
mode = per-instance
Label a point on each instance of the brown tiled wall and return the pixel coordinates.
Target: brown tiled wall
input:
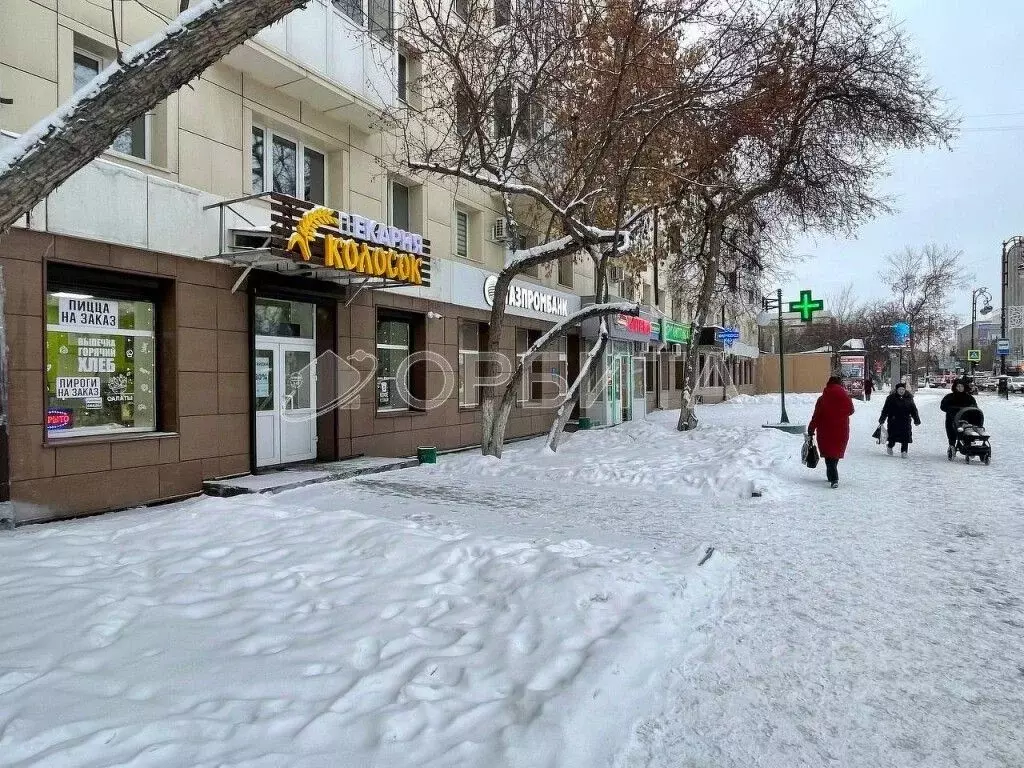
(205, 385)
(363, 431)
(206, 389)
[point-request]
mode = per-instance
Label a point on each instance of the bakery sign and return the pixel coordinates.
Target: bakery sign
(330, 239)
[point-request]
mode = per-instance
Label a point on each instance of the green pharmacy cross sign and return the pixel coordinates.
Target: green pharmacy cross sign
(807, 306)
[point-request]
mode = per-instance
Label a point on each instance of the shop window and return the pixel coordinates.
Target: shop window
(534, 380)
(470, 342)
(137, 139)
(539, 376)
(649, 365)
(101, 360)
(292, 168)
(398, 337)
(639, 375)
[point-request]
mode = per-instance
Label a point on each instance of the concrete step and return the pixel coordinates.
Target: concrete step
(275, 481)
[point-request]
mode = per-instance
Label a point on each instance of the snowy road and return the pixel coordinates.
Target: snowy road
(508, 614)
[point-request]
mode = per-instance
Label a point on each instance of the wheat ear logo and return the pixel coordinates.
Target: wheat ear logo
(305, 230)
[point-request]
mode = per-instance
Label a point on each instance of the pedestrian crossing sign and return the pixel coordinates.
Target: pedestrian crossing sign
(973, 355)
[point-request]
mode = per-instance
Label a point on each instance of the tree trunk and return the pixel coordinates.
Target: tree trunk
(687, 411)
(573, 395)
(85, 126)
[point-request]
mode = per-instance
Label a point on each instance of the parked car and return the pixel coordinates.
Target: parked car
(985, 383)
(1016, 384)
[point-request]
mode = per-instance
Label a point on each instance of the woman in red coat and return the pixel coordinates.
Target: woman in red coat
(831, 422)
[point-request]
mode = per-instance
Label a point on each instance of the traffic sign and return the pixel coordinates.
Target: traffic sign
(973, 355)
(1002, 347)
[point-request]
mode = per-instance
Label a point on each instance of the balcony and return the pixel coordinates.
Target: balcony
(320, 56)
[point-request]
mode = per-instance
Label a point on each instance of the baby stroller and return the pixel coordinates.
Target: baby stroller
(971, 437)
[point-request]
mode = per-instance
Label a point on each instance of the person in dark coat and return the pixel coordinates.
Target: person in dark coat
(959, 398)
(831, 422)
(898, 413)
(869, 387)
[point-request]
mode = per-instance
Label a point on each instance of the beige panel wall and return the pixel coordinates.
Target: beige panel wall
(201, 136)
(804, 373)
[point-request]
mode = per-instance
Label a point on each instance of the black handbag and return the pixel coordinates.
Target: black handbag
(809, 453)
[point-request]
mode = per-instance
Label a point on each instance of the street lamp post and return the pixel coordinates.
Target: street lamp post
(768, 304)
(983, 292)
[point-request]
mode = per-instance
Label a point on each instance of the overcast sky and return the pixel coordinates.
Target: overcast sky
(971, 198)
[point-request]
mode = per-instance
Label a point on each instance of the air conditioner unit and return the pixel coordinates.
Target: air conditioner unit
(499, 232)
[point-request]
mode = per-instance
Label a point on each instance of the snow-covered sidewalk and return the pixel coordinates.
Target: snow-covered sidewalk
(543, 611)
(259, 632)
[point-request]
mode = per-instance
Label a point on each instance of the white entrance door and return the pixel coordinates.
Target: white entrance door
(285, 389)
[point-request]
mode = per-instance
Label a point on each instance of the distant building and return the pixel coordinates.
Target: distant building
(985, 334)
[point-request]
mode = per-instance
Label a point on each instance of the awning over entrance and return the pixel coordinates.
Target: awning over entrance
(309, 240)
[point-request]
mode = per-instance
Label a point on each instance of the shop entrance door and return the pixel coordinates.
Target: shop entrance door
(285, 401)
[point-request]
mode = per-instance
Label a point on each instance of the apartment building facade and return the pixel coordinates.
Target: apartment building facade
(161, 330)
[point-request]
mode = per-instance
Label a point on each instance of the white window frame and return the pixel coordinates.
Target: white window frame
(363, 23)
(460, 211)
(465, 356)
(101, 64)
(407, 348)
(268, 160)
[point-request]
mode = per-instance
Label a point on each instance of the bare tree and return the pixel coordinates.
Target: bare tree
(828, 87)
(921, 281)
(560, 111)
(86, 125)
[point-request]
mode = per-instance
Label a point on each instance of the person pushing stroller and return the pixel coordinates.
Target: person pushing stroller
(959, 397)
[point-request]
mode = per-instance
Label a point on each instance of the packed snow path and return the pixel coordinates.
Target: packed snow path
(880, 624)
(454, 615)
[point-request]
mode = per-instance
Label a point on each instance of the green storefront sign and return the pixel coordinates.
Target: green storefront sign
(676, 333)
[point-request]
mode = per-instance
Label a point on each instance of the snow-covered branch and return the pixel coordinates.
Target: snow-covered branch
(561, 328)
(86, 125)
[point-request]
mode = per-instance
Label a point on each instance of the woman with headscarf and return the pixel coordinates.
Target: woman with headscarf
(898, 413)
(831, 421)
(951, 404)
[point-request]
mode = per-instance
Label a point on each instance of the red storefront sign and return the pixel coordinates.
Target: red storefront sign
(635, 324)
